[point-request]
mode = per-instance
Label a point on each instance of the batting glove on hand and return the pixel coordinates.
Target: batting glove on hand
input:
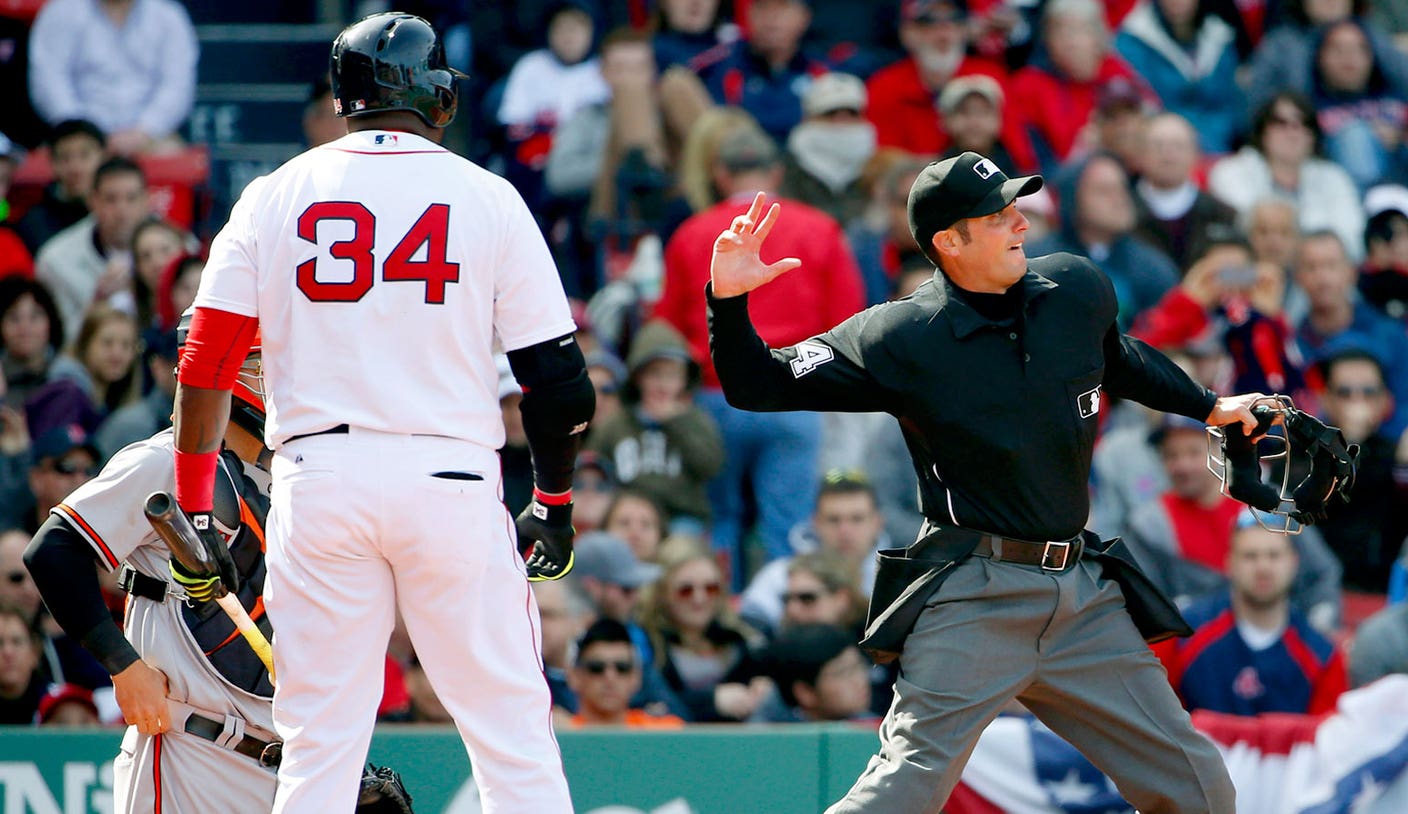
(217, 552)
(545, 540)
(199, 587)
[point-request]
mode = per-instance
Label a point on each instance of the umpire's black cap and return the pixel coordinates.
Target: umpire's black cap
(966, 186)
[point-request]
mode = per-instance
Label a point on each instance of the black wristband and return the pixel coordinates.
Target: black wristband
(110, 647)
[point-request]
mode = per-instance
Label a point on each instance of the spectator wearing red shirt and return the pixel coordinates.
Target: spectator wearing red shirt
(1058, 90)
(776, 451)
(904, 96)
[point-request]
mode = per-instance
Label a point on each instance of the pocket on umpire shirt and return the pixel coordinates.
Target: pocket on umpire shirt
(1084, 399)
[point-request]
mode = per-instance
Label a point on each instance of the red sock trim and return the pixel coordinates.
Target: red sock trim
(195, 480)
(561, 499)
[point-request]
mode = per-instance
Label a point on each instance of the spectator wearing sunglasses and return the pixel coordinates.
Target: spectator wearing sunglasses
(845, 522)
(606, 676)
(823, 588)
(63, 459)
(703, 651)
(1367, 532)
(610, 577)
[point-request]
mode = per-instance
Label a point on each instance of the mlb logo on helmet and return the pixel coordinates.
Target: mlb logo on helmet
(985, 169)
(358, 105)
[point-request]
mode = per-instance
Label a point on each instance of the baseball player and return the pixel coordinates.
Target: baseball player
(196, 697)
(382, 270)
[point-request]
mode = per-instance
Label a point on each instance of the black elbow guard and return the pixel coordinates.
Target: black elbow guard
(558, 402)
(558, 398)
(559, 410)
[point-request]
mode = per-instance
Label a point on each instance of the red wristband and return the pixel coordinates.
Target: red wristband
(195, 480)
(546, 499)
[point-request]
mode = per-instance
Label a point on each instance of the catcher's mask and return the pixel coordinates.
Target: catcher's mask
(1286, 437)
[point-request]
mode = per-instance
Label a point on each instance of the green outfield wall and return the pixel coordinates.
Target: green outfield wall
(701, 770)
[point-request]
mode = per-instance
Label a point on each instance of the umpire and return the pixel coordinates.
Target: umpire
(996, 370)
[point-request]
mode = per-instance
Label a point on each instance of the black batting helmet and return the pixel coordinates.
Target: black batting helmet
(393, 61)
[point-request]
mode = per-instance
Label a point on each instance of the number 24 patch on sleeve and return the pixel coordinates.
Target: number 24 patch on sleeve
(810, 356)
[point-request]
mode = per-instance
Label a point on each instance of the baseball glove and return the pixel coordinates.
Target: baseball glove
(383, 792)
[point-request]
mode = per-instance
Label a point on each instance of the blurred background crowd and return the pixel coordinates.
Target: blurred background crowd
(1238, 168)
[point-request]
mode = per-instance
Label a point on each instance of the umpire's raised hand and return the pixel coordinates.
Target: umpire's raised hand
(735, 267)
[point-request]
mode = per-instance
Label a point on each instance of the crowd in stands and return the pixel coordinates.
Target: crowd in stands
(1238, 169)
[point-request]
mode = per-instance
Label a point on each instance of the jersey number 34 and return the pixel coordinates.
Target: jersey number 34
(430, 230)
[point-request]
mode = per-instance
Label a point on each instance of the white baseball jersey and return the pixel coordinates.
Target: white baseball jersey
(415, 279)
(183, 771)
(383, 269)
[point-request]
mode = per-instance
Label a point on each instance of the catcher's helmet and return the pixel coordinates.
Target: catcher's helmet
(393, 61)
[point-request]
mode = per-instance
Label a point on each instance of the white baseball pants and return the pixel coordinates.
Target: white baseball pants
(360, 525)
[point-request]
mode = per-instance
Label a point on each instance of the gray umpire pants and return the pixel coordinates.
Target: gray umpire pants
(1062, 644)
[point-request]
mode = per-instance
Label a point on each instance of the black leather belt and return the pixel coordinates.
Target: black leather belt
(138, 584)
(1055, 555)
(267, 753)
(340, 429)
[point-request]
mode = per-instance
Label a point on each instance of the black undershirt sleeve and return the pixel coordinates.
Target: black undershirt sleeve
(1133, 370)
(827, 372)
(64, 568)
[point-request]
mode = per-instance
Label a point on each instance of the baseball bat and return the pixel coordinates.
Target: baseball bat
(174, 529)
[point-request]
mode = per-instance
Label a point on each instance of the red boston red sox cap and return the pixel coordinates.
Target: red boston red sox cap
(966, 186)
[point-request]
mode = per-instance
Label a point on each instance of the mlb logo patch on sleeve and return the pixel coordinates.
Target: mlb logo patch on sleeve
(1089, 402)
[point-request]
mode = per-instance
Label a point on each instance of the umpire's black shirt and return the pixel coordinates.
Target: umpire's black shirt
(1000, 415)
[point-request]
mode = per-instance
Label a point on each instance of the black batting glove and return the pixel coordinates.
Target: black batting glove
(545, 540)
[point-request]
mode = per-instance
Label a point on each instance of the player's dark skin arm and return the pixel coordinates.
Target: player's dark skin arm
(201, 417)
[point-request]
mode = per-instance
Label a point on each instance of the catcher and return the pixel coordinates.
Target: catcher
(197, 699)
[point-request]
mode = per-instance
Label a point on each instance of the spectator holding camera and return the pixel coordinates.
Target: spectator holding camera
(91, 261)
(1235, 303)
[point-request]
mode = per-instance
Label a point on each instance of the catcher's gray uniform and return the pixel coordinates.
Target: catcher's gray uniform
(210, 668)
